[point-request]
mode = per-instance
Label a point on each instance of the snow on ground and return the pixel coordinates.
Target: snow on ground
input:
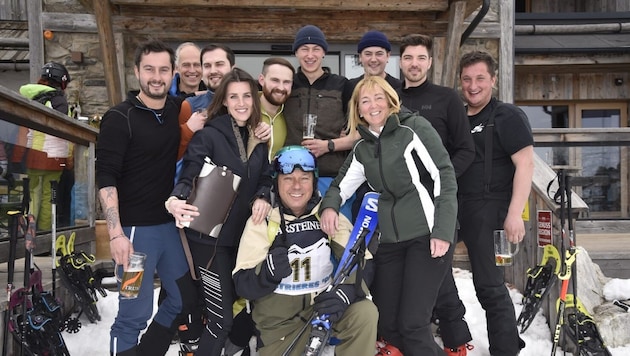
(93, 339)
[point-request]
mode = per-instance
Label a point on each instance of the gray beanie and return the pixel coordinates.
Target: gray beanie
(310, 34)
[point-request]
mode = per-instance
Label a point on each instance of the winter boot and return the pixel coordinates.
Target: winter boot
(156, 340)
(458, 351)
(383, 348)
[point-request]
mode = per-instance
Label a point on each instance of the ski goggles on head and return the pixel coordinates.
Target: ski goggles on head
(291, 157)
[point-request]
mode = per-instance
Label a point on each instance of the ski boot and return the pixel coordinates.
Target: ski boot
(540, 279)
(458, 351)
(383, 348)
(588, 338)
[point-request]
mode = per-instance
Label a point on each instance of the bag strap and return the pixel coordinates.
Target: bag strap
(487, 164)
(189, 259)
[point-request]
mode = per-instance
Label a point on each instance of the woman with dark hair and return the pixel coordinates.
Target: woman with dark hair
(228, 140)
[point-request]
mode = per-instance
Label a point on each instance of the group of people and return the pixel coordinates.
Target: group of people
(410, 140)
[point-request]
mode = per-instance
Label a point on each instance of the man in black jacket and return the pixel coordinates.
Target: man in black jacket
(135, 169)
(445, 111)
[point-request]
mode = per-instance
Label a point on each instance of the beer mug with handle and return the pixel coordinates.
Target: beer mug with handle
(132, 278)
(504, 250)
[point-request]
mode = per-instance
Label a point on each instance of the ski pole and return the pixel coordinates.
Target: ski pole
(13, 232)
(572, 244)
(26, 200)
(564, 277)
(356, 251)
(53, 205)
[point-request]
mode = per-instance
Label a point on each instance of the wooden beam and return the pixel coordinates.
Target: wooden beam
(439, 53)
(571, 59)
(22, 111)
(453, 39)
(36, 39)
(103, 14)
(250, 25)
(65, 22)
(14, 42)
(579, 137)
(506, 51)
(378, 5)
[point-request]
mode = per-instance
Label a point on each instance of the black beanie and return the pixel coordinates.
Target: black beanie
(310, 34)
(374, 39)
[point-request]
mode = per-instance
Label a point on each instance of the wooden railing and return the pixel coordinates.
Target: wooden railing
(18, 110)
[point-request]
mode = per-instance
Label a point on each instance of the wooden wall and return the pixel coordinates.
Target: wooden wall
(571, 86)
(547, 6)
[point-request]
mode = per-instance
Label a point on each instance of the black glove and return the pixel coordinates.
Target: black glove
(277, 264)
(335, 302)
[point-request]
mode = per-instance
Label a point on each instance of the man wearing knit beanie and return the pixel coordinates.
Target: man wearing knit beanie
(374, 50)
(316, 91)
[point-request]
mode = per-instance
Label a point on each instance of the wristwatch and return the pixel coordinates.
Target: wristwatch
(331, 145)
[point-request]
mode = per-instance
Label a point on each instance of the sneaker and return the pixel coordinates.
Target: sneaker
(458, 351)
(383, 348)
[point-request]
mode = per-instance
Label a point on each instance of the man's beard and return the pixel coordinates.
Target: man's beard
(146, 89)
(272, 100)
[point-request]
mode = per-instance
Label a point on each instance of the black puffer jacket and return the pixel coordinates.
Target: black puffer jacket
(217, 141)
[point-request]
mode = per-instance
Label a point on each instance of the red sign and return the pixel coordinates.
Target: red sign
(544, 227)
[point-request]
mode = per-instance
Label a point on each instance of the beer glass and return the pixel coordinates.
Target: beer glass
(132, 277)
(504, 250)
(310, 120)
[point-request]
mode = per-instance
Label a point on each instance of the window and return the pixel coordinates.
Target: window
(600, 173)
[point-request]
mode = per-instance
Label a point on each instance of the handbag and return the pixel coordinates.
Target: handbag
(213, 193)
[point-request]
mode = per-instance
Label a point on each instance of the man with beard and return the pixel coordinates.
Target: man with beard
(276, 80)
(445, 111)
(187, 80)
(135, 168)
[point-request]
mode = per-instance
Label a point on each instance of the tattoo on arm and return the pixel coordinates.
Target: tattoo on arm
(109, 202)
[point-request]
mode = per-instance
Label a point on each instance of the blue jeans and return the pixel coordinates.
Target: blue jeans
(165, 254)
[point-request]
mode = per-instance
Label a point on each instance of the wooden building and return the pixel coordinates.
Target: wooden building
(566, 63)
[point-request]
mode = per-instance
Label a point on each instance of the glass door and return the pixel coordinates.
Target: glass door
(603, 178)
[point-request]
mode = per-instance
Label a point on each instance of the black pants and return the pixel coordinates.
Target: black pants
(405, 288)
(478, 219)
(450, 311)
(217, 291)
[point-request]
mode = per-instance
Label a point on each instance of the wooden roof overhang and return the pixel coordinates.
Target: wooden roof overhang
(343, 21)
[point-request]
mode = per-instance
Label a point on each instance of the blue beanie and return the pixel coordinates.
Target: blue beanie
(374, 39)
(310, 34)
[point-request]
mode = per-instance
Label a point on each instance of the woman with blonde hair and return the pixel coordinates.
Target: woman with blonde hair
(402, 157)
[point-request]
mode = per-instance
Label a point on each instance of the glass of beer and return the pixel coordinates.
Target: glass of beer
(504, 250)
(132, 277)
(310, 120)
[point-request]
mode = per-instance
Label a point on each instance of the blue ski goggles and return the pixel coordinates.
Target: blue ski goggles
(291, 157)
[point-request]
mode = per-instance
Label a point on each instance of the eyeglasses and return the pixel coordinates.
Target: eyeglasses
(292, 157)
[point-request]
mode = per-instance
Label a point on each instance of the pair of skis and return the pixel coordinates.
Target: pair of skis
(360, 238)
